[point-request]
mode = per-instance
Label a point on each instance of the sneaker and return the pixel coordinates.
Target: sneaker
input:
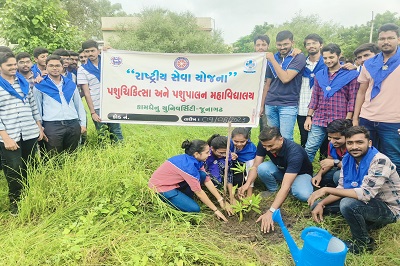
(357, 247)
(14, 208)
(266, 194)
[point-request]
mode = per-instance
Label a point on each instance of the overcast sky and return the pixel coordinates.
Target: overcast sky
(237, 18)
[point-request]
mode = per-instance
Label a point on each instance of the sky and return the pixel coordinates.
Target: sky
(237, 18)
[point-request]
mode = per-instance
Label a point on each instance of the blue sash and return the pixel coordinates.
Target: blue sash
(92, 69)
(342, 78)
(247, 153)
(379, 71)
(333, 153)
(187, 164)
(48, 87)
(285, 62)
(68, 75)
(311, 74)
(353, 177)
(10, 89)
(36, 71)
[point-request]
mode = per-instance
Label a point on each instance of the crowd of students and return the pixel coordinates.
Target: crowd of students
(353, 105)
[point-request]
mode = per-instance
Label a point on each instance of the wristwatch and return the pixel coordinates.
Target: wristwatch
(272, 209)
(336, 162)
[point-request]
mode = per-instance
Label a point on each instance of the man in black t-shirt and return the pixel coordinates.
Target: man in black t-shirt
(288, 164)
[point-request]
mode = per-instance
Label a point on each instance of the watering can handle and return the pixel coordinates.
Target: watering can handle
(315, 229)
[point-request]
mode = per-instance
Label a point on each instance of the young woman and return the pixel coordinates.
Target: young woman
(243, 151)
(180, 177)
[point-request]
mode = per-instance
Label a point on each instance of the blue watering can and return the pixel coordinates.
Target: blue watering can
(320, 247)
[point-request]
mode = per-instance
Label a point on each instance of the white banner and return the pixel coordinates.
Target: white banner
(181, 89)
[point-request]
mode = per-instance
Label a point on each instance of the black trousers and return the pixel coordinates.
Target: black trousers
(63, 135)
(15, 164)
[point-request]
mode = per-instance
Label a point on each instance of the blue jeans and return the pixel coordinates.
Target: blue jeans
(114, 128)
(331, 178)
(385, 138)
(315, 138)
(361, 216)
(270, 174)
(283, 117)
(180, 200)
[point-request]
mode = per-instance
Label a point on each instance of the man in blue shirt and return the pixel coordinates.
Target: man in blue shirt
(283, 84)
(61, 109)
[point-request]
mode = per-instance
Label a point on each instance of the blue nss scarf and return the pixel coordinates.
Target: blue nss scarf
(36, 71)
(284, 64)
(48, 87)
(380, 71)
(333, 153)
(10, 89)
(92, 69)
(311, 74)
(187, 164)
(342, 78)
(353, 177)
(247, 153)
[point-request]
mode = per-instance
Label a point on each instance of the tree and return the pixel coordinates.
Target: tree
(86, 15)
(246, 44)
(32, 23)
(160, 30)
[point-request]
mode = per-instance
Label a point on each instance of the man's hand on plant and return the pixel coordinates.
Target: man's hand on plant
(242, 190)
(266, 222)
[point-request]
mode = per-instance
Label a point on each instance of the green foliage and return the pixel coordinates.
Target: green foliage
(86, 15)
(165, 31)
(247, 205)
(32, 23)
(239, 168)
(246, 43)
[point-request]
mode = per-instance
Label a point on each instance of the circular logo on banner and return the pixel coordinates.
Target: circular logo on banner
(116, 61)
(250, 64)
(181, 63)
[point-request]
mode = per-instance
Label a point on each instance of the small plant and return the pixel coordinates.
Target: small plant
(247, 205)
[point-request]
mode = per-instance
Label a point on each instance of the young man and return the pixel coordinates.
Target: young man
(24, 64)
(288, 164)
(282, 87)
(377, 104)
(333, 97)
(82, 57)
(40, 55)
(73, 64)
(364, 52)
(66, 60)
(314, 63)
(328, 175)
(368, 194)
(89, 79)
(20, 127)
(61, 109)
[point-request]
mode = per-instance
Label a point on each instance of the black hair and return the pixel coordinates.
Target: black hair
(5, 56)
(314, 37)
(39, 50)
(367, 47)
(339, 126)
(61, 52)
(80, 51)
(390, 27)
(5, 49)
(357, 130)
(332, 48)
(269, 133)
(53, 57)
(22, 55)
(217, 141)
(191, 147)
(262, 38)
(241, 131)
(73, 53)
(283, 35)
(90, 44)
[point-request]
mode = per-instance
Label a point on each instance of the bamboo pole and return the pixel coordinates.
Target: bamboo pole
(228, 146)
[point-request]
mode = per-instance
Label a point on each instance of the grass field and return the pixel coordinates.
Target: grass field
(97, 210)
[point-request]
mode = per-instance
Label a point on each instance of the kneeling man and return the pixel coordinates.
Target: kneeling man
(368, 194)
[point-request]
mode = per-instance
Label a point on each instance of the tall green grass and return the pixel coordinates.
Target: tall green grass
(97, 210)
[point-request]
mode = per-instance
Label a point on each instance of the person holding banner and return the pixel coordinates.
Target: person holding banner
(89, 80)
(181, 176)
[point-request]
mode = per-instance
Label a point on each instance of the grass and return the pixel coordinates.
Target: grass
(97, 210)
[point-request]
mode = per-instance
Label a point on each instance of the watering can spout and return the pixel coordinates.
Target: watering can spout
(294, 250)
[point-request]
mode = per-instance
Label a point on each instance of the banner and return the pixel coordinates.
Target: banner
(181, 89)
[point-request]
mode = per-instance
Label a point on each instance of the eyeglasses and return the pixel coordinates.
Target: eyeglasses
(54, 66)
(387, 39)
(24, 62)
